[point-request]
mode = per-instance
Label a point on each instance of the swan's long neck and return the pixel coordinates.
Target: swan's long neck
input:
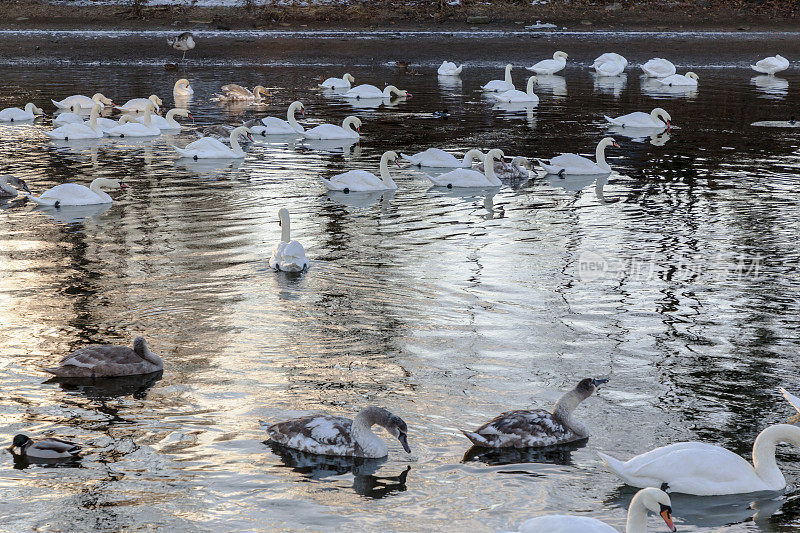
(171, 118)
(93, 117)
(600, 155)
(153, 358)
(385, 177)
(564, 408)
(508, 74)
(290, 117)
(764, 453)
(637, 515)
(234, 138)
(370, 444)
(349, 125)
(470, 157)
(488, 168)
(95, 187)
(285, 229)
(147, 119)
(529, 90)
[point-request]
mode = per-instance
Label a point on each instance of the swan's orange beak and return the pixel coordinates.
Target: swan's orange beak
(615, 144)
(669, 126)
(397, 162)
(250, 137)
(303, 111)
(358, 129)
(190, 116)
(123, 185)
(666, 514)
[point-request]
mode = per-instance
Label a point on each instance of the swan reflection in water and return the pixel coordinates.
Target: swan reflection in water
(652, 87)
(320, 467)
(656, 136)
(555, 455)
(553, 84)
(770, 86)
(577, 183)
(514, 109)
(611, 85)
(333, 146)
(71, 214)
(109, 388)
(711, 511)
(449, 83)
(362, 200)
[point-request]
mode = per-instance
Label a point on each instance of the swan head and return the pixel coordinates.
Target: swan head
(391, 156)
(260, 90)
(522, 162)
(493, 154)
(348, 77)
(587, 386)
(108, 183)
(659, 113)
(658, 501)
(242, 130)
(562, 55)
(532, 81)
(609, 141)
(509, 67)
(180, 112)
(692, 76)
(392, 90)
(98, 98)
(352, 121)
(297, 105)
(30, 107)
(390, 422)
(15, 182)
(181, 83)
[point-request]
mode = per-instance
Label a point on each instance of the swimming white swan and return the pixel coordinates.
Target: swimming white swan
(528, 428)
(658, 68)
(139, 105)
(609, 56)
(82, 130)
(551, 66)
(168, 123)
(370, 92)
(771, 65)
(15, 114)
(288, 255)
(336, 435)
(680, 80)
(650, 499)
(437, 158)
(610, 64)
(448, 68)
(101, 123)
(108, 360)
(499, 86)
(236, 93)
(78, 101)
(49, 448)
(348, 130)
(361, 180)
(277, 126)
(466, 177)
(515, 96)
(338, 83)
(74, 194)
(128, 127)
(210, 148)
(707, 470)
(182, 88)
(9, 185)
(791, 398)
(578, 165)
(657, 118)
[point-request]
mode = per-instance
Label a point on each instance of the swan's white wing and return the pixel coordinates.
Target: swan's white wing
(327, 131)
(498, 86)
(237, 92)
(575, 164)
(433, 157)
(206, 143)
(73, 131)
(288, 257)
(610, 56)
(659, 68)
(610, 68)
(355, 180)
(564, 524)
(364, 91)
(71, 193)
(636, 119)
(460, 177)
(275, 126)
(335, 83)
(547, 66)
(791, 398)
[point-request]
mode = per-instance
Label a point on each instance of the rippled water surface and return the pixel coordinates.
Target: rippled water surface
(446, 307)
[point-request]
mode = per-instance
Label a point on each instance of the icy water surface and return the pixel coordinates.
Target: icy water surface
(446, 307)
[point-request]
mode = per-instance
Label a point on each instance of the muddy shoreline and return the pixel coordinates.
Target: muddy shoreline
(689, 16)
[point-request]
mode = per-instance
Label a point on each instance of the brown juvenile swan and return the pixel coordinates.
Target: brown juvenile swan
(107, 360)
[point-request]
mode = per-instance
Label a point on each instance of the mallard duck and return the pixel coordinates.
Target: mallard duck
(49, 448)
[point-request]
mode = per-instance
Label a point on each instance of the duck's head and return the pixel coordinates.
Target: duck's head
(658, 501)
(587, 386)
(19, 442)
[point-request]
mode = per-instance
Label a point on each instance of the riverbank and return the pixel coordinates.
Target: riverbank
(676, 15)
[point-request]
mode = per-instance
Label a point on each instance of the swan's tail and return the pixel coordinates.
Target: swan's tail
(611, 120)
(408, 158)
(476, 439)
(791, 398)
(181, 151)
(615, 465)
(548, 168)
(41, 201)
(331, 186)
(59, 104)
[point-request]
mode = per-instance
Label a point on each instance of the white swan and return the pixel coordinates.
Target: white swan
(578, 165)
(277, 126)
(771, 65)
(610, 64)
(499, 86)
(650, 499)
(448, 68)
(167, 123)
(657, 118)
(515, 96)
(658, 68)
(182, 88)
(348, 130)
(609, 56)
(707, 470)
(139, 105)
(15, 114)
(102, 123)
(338, 83)
(74, 194)
(791, 398)
(128, 127)
(551, 66)
(339, 436)
(210, 148)
(236, 93)
(78, 101)
(288, 255)
(370, 92)
(437, 158)
(9, 185)
(361, 180)
(464, 177)
(82, 130)
(680, 80)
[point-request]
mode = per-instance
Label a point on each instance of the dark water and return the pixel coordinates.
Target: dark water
(445, 308)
